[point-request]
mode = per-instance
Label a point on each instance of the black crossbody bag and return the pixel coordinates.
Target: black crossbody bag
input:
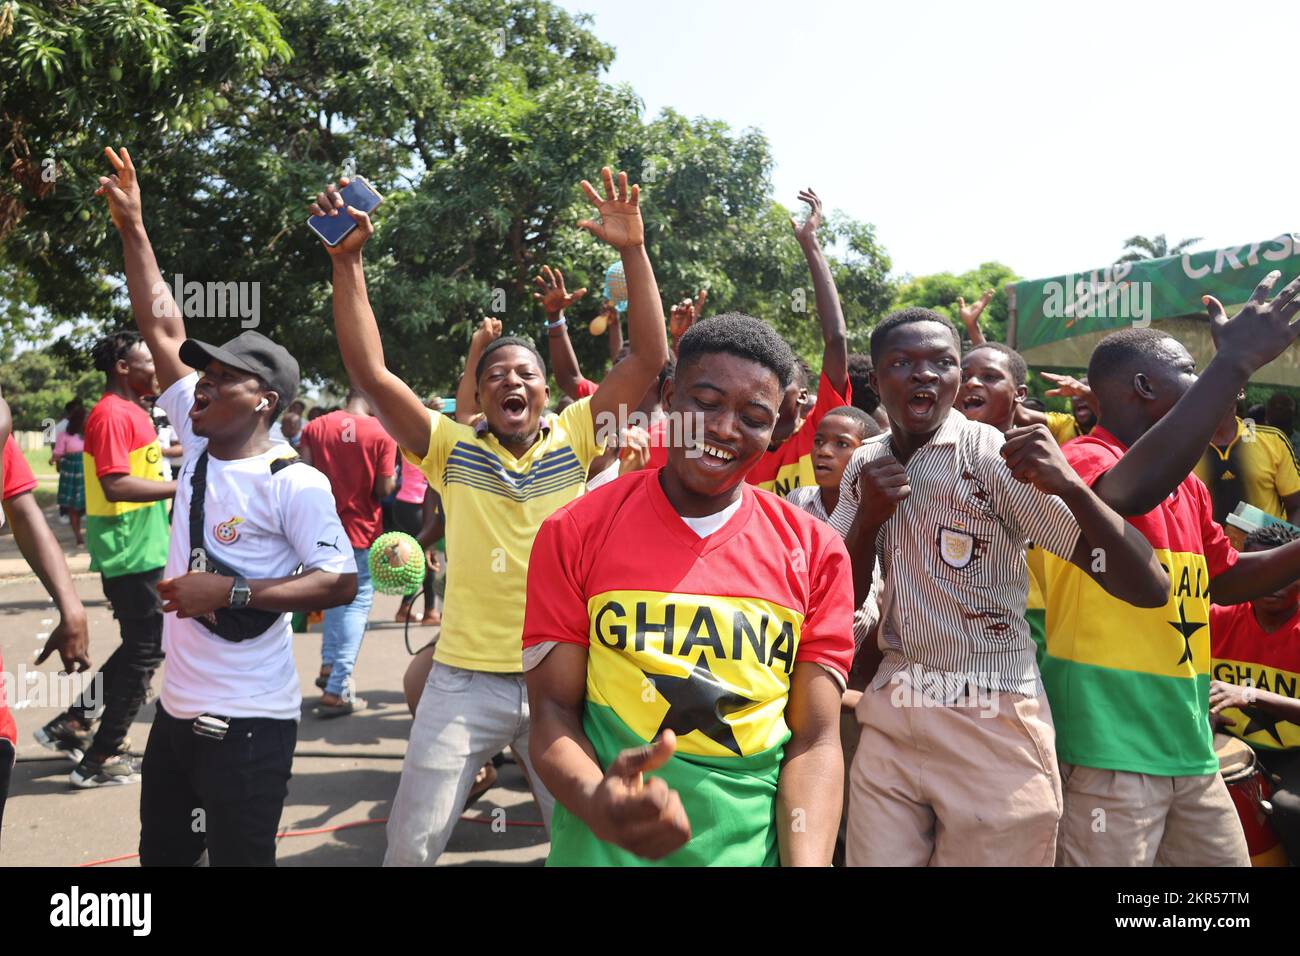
(229, 623)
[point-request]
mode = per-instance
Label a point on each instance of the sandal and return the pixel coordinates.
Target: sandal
(323, 678)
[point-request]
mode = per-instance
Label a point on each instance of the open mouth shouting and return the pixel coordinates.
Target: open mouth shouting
(201, 402)
(973, 401)
(514, 407)
(923, 402)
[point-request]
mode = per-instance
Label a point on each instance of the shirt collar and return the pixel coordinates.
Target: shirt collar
(481, 426)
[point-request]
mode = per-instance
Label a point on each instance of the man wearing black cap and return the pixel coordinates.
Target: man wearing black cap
(218, 761)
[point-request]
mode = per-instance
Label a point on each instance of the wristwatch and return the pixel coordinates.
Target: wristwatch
(240, 593)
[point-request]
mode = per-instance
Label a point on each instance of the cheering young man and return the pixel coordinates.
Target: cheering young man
(498, 481)
(682, 606)
(947, 506)
(223, 738)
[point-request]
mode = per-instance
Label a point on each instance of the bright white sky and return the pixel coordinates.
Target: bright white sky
(1035, 134)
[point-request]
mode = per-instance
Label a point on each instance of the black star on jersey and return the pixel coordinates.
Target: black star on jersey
(699, 702)
(1261, 720)
(1186, 630)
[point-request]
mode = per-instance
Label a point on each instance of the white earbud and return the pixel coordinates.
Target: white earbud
(261, 405)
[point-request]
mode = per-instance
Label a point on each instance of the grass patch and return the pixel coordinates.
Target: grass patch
(39, 459)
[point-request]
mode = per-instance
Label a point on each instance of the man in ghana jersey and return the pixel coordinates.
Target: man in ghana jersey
(681, 606)
(1255, 693)
(262, 520)
(1250, 462)
(498, 482)
(126, 535)
(41, 550)
(788, 461)
(947, 505)
(1129, 687)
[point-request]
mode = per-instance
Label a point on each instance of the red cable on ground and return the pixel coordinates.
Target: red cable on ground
(341, 826)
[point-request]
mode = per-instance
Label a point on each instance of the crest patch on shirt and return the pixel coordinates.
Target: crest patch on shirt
(957, 548)
(228, 531)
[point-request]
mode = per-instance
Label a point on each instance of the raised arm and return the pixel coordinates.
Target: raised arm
(621, 227)
(156, 313)
(489, 331)
(835, 352)
(1158, 461)
(970, 316)
(398, 408)
(554, 299)
(1110, 550)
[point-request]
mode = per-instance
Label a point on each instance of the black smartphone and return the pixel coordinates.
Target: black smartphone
(358, 194)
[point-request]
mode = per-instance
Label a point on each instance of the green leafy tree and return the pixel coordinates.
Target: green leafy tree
(1139, 248)
(941, 290)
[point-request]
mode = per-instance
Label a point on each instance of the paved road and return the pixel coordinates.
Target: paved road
(345, 772)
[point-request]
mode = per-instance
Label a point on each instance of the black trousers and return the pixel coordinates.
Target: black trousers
(124, 679)
(409, 517)
(219, 797)
(7, 757)
(1285, 821)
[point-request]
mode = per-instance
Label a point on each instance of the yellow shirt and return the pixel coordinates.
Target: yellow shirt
(494, 503)
(1063, 426)
(1258, 467)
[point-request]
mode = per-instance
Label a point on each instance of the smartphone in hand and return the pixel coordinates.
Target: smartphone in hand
(358, 194)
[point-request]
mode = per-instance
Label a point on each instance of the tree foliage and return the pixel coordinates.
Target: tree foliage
(476, 119)
(941, 290)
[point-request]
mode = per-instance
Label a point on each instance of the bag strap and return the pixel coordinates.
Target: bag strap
(198, 491)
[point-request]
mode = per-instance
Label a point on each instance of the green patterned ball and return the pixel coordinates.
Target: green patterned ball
(396, 564)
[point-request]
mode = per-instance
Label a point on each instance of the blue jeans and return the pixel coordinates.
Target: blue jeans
(345, 627)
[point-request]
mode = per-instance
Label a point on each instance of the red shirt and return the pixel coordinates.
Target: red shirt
(585, 388)
(18, 478)
(1243, 653)
(18, 474)
(791, 465)
(352, 451)
(114, 429)
(626, 543)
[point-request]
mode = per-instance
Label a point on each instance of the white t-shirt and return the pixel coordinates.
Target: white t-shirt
(263, 526)
(706, 525)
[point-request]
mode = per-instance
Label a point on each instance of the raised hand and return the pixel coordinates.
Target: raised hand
(1067, 386)
(121, 189)
(1035, 458)
(620, 212)
(686, 313)
(488, 331)
(553, 296)
(970, 314)
(330, 203)
(808, 231)
(882, 485)
(1262, 330)
(642, 816)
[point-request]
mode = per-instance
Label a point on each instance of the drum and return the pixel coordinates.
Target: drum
(1250, 793)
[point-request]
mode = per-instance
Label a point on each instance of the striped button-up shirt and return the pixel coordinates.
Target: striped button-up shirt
(953, 560)
(809, 498)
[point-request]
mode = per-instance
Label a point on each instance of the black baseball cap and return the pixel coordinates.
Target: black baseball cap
(250, 352)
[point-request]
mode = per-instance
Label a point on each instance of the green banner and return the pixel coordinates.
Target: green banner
(1138, 293)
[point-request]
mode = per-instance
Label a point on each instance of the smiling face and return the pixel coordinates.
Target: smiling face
(989, 392)
(512, 393)
(833, 444)
(225, 400)
(733, 403)
(917, 374)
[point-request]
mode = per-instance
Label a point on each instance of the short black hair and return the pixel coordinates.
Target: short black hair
(1116, 357)
(1016, 361)
(114, 347)
(802, 372)
(1035, 403)
(1271, 536)
(503, 342)
(864, 396)
(907, 317)
(742, 336)
(866, 423)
